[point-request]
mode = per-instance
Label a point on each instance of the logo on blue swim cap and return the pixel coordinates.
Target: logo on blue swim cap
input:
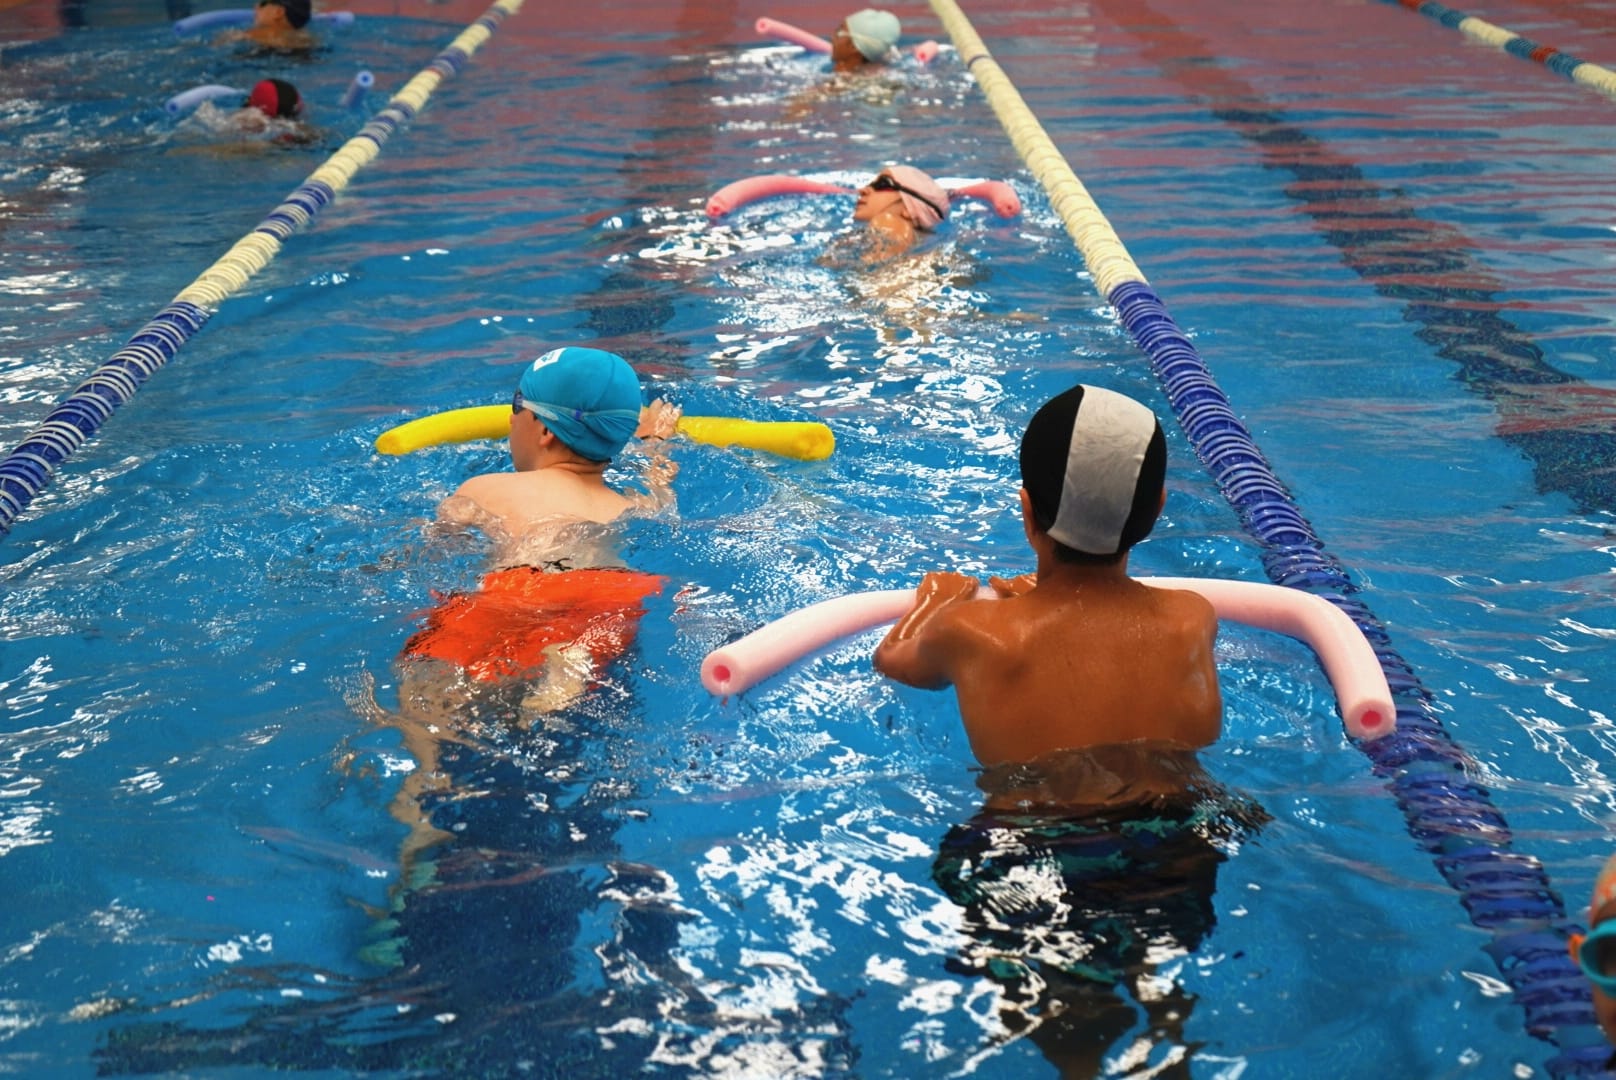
(590, 398)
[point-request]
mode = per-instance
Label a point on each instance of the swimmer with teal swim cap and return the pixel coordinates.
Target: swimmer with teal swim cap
(558, 606)
(864, 37)
(589, 398)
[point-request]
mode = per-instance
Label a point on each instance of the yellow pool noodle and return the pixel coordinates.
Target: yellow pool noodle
(801, 439)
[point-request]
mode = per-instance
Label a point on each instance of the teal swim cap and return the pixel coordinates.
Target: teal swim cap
(874, 32)
(590, 398)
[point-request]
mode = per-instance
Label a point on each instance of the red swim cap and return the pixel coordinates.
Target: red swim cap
(275, 97)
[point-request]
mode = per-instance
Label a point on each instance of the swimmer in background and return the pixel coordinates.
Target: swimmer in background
(279, 26)
(1077, 655)
(559, 605)
(1595, 951)
(864, 39)
(272, 100)
(271, 113)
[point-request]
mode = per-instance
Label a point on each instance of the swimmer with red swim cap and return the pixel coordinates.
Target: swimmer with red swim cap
(273, 108)
(276, 99)
(1078, 655)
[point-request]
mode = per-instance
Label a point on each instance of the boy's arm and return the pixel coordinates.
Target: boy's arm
(914, 650)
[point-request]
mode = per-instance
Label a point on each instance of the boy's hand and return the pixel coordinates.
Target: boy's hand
(658, 420)
(945, 586)
(1016, 586)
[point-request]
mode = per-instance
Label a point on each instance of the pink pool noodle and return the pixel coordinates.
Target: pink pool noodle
(738, 194)
(1364, 698)
(996, 193)
(926, 52)
(788, 33)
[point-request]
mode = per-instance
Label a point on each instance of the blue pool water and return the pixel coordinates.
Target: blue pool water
(1391, 247)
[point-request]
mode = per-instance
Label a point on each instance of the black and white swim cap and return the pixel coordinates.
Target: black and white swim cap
(1094, 462)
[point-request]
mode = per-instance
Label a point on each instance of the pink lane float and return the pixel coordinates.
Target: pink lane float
(923, 53)
(732, 196)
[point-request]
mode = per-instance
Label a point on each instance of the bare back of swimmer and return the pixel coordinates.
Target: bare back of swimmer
(1078, 655)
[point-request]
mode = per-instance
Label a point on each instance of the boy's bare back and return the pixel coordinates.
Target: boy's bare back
(1067, 666)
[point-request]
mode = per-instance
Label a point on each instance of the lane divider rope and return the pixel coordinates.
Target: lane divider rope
(1588, 74)
(28, 468)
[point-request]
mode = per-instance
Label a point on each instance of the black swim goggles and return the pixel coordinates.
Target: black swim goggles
(884, 182)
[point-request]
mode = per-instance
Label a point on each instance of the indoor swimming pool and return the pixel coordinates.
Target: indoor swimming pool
(1390, 246)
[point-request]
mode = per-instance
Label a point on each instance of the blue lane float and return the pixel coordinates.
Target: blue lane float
(186, 100)
(236, 17)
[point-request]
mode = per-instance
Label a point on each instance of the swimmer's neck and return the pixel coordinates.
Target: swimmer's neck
(893, 221)
(1054, 575)
(584, 469)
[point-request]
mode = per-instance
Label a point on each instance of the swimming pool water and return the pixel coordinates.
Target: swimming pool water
(1390, 246)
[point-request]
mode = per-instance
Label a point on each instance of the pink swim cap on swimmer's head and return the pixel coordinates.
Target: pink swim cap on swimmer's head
(923, 197)
(275, 98)
(589, 398)
(1093, 463)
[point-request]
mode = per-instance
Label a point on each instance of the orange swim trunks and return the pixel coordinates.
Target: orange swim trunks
(502, 630)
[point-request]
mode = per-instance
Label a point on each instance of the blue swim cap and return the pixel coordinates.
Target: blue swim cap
(590, 399)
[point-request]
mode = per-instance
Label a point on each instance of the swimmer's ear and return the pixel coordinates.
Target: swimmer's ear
(1029, 523)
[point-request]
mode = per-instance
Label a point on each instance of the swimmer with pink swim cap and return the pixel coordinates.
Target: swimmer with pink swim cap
(1078, 655)
(898, 204)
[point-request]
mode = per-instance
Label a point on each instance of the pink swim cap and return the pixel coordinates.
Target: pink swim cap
(922, 196)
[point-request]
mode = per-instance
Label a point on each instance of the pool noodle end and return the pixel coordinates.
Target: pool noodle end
(774, 28)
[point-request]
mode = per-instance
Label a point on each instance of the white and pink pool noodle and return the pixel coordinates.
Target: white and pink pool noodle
(1361, 691)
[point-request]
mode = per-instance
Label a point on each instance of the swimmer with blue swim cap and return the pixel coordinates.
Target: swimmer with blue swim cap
(559, 606)
(574, 410)
(864, 37)
(590, 400)
(1077, 655)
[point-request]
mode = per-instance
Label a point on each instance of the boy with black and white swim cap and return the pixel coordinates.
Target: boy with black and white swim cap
(1079, 654)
